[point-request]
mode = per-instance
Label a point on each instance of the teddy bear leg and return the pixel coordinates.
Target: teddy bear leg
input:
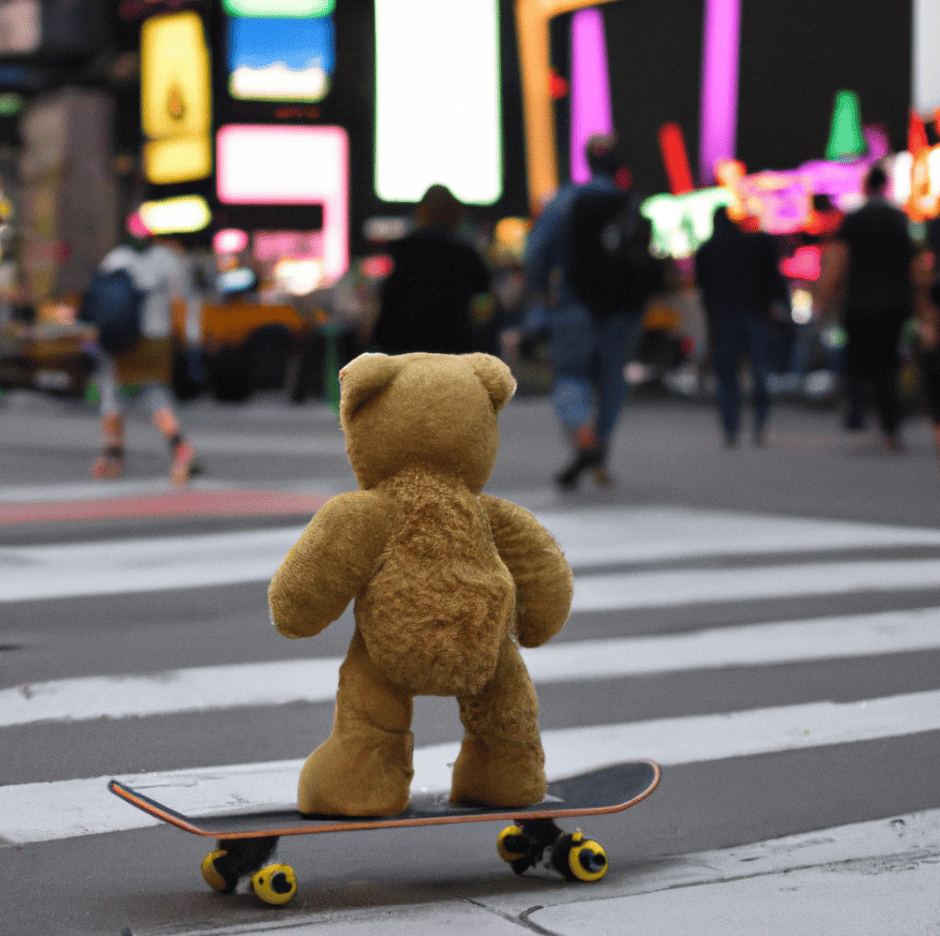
(501, 762)
(365, 767)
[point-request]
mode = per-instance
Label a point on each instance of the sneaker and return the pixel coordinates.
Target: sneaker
(182, 468)
(109, 464)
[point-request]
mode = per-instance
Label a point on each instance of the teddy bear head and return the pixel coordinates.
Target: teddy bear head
(431, 411)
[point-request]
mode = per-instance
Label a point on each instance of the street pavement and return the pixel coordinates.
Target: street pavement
(763, 622)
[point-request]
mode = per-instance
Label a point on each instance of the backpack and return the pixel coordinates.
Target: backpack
(611, 268)
(113, 304)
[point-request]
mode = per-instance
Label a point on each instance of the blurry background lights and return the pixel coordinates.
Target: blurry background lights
(846, 140)
(229, 240)
(278, 59)
(184, 214)
(298, 277)
(295, 8)
(437, 99)
(176, 110)
(287, 165)
(802, 305)
(590, 87)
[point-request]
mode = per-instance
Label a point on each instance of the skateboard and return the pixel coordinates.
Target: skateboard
(246, 840)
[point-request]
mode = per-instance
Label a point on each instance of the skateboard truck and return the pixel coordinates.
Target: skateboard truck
(524, 844)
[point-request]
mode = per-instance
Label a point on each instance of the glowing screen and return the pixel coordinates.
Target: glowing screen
(175, 98)
(173, 215)
(280, 165)
(298, 8)
(437, 99)
(280, 59)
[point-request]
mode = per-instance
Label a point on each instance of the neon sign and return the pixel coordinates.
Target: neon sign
(289, 8)
(184, 214)
(590, 87)
(277, 59)
(303, 165)
(437, 99)
(175, 98)
(719, 83)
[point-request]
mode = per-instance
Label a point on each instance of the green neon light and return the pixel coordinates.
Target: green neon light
(278, 8)
(846, 141)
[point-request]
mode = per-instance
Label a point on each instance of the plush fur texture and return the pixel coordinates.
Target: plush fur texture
(445, 581)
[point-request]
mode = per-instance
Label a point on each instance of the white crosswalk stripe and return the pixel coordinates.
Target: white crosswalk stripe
(207, 688)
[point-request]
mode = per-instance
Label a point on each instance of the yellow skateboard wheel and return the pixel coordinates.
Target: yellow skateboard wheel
(508, 850)
(211, 874)
(586, 860)
(275, 884)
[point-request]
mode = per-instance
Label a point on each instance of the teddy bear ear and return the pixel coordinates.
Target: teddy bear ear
(363, 378)
(495, 376)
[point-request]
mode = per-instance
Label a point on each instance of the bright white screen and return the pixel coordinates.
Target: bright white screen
(437, 101)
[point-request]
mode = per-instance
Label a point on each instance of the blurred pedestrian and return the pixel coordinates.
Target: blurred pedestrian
(866, 275)
(927, 312)
(438, 291)
(160, 272)
(738, 273)
(584, 269)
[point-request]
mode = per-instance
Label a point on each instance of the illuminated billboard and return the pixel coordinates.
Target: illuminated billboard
(290, 165)
(437, 99)
(291, 8)
(175, 86)
(273, 59)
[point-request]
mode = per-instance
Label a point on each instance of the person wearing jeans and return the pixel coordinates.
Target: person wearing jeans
(588, 346)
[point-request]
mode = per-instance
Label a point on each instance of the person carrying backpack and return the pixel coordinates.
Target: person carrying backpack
(588, 261)
(130, 301)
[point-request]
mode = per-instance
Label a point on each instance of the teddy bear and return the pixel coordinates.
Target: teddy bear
(447, 582)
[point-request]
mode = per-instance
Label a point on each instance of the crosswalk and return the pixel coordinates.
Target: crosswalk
(630, 564)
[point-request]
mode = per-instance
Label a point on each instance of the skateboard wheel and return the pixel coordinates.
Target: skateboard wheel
(587, 861)
(512, 844)
(275, 884)
(211, 873)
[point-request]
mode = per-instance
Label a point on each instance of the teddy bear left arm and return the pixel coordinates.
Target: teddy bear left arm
(328, 566)
(544, 583)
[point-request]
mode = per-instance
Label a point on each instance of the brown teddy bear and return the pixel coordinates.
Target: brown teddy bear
(445, 581)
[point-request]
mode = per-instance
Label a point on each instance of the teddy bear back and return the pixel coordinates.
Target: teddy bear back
(433, 412)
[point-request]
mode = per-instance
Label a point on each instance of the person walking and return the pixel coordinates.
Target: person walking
(926, 281)
(160, 273)
(738, 274)
(438, 291)
(577, 268)
(866, 273)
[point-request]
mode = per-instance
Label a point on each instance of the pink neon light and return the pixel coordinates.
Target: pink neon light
(803, 265)
(590, 87)
(719, 84)
(266, 165)
(229, 240)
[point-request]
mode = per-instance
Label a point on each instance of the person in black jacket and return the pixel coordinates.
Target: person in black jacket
(740, 281)
(438, 286)
(867, 273)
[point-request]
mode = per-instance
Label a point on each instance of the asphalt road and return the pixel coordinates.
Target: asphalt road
(764, 622)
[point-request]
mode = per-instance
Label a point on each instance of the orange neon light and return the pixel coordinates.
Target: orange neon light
(730, 173)
(532, 19)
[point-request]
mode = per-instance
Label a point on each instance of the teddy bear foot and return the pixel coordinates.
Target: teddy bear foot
(349, 779)
(503, 775)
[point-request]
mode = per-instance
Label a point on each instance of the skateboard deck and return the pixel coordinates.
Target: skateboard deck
(246, 840)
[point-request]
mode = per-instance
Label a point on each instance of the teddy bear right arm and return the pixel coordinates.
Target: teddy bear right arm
(328, 565)
(544, 583)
